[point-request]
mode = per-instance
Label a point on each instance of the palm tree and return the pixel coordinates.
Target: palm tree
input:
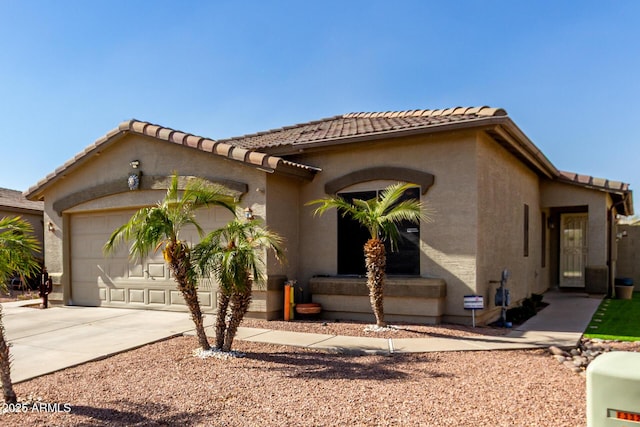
(380, 216)
(234, 256)
(159, 227)
(17, 248)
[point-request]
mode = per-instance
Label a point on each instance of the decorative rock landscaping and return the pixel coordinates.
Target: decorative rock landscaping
(577, 359)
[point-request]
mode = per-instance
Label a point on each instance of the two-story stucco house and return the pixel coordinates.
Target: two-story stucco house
(498, 203)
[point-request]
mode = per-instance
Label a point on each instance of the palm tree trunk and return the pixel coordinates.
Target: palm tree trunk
(179, 267)
(5, 367)
(239, 306)
(376, 261)
(221, 316)
(190, 295)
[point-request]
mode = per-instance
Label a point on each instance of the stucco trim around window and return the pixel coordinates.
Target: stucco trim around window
(423, 179)
(147, 182)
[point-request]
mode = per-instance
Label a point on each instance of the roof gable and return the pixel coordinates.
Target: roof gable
(253, 158)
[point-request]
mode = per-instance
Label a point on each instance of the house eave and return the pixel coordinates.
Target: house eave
(292, 149)
(255, 159)
(500, 128)
(509, 135)
(620, 193)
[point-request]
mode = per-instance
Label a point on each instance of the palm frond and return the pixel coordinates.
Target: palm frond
(152, 227)
(18, 245)
(327, 203)
(200, 193)
(147, 229)
(234, 254)
(379, 216)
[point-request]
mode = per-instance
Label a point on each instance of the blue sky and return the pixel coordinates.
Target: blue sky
(567, 72)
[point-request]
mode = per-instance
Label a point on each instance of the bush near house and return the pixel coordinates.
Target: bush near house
(529, 308)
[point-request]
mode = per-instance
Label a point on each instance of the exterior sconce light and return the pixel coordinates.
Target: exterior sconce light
(551, 223)
(134, 164)
(51, 227)
(248, 213)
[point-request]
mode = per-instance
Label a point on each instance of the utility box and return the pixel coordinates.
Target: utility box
(596, 279)
(613, 390)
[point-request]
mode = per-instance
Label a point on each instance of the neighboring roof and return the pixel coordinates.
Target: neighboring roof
(620, 191)
(262, 161)
(353, 125)
(14, 199)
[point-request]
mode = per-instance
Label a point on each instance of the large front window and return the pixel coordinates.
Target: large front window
(352, 237)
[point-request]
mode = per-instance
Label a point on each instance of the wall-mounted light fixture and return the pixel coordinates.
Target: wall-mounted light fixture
(133, 180)
(551, 222)
(51, 227)
(248, 213)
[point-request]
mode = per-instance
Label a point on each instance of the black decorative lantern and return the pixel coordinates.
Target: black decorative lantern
(133, 180)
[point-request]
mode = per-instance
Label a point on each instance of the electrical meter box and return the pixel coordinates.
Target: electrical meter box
(613, 390)
(498, 298)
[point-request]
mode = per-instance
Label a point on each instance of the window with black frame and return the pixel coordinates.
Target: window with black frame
(405, 260)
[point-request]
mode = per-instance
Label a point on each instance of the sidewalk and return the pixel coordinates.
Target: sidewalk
(562, 324)
(45, 341)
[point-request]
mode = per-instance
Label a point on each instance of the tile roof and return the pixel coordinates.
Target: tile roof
(263, 150)
(620, 192)
(219, 148)
(16, 200)
(263, 161)
(363, 124)
(593, 182)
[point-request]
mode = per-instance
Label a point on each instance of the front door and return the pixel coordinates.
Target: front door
(573, 249)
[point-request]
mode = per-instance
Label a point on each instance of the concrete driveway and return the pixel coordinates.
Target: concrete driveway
(44, 341)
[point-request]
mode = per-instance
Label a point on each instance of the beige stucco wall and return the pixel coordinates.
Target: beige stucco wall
(477, 201)
(628, 264)
(157, 158)
(561, 195)
(282, 214)
(479, 195)
(448, 243)
(505, 185)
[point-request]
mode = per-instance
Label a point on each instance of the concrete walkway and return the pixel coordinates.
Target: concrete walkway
(45, 341)
(562, 323)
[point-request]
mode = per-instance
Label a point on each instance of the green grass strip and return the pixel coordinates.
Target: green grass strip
(616, 319)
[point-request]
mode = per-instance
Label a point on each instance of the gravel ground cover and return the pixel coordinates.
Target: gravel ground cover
(164, 384)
